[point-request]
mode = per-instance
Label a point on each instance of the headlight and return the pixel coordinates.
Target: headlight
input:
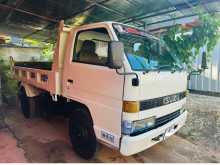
(146, 123)
(129, 127)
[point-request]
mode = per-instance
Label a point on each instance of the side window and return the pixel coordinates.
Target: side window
(91, 47)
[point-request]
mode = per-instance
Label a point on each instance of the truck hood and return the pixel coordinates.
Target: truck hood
(155, 85)
(158, 84)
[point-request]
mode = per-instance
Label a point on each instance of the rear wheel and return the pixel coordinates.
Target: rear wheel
(82, 134)
(24, 103)
(45, 106)
(28, 105)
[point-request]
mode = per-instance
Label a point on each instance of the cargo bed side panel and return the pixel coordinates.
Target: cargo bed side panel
(42, 79)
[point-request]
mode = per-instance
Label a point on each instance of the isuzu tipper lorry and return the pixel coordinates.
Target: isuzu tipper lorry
(117, 84)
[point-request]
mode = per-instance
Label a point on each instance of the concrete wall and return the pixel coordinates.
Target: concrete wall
(209, 81)
(20, 54)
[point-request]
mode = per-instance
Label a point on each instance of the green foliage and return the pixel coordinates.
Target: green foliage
(47, 48)
(33, 43)
(9, 85)
(47, 52)
(182, 41)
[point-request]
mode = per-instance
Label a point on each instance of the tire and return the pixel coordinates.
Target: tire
(24, 103)
(45, 106)
(82, 134)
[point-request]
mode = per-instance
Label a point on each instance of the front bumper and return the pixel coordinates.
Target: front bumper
(132, 145)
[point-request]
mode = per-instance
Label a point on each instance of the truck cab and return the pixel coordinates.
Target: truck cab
(130, 85)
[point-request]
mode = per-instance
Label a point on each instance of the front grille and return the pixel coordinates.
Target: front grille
(165, 119)
(159, 122)
(160, 101)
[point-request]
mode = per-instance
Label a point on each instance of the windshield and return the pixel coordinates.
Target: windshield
(144, 52)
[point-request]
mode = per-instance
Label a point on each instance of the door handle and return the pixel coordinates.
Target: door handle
(70, 81)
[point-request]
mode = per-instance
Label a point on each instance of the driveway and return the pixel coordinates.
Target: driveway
(40, 140)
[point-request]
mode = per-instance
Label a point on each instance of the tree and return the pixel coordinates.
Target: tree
(47, 52)
(9, 85)
(182, 41)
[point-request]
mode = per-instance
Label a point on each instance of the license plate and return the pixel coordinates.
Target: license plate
(169, 131)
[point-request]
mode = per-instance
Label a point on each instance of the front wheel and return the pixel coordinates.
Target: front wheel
(82, 134)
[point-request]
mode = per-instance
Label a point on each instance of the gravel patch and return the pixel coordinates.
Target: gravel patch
(203, 122)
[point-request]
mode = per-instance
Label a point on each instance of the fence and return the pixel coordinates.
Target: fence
(209, 81)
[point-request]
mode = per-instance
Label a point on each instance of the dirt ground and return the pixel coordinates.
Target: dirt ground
(40, 140)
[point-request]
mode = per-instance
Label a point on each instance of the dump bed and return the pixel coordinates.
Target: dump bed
(35, 65)
(33, 75)
(45, 75)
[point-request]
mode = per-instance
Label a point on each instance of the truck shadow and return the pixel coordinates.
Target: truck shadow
(47, 141)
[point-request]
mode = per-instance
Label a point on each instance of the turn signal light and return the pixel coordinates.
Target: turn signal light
(131, 106)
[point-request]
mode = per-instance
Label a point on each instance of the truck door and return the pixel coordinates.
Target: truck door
(88, 80)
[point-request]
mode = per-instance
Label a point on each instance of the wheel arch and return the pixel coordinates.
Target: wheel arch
(75, 106)
(30, 90)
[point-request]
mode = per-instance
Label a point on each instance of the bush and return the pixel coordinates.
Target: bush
(9, 85)
(182, 41)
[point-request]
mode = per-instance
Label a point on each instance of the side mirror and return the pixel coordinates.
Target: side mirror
(203, 67)
(204, 61)
(115, 54)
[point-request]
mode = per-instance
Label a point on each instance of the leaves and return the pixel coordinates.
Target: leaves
(182, 41)
(47, 48)
(47, 52)
(9, 85)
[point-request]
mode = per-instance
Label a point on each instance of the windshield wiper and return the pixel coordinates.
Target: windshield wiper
(176, 67)
(164, 66)
(173, 67)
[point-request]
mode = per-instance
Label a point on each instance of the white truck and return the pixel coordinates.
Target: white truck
(117, 84)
